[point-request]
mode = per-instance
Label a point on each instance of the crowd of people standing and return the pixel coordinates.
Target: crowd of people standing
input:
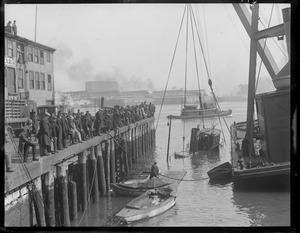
(54, 131)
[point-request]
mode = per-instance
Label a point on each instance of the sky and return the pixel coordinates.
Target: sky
(134, 44)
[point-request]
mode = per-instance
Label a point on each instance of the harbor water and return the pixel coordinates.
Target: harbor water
(199, 203)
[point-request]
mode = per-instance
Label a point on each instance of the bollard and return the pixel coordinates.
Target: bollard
(73, 200)
(63, 184)
(100, 169)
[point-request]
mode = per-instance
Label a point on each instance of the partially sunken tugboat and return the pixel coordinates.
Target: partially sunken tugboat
(260, 153)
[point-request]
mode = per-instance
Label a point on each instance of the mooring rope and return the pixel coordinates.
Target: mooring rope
(172, 178)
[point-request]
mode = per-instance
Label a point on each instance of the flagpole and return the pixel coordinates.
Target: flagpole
(35, 23)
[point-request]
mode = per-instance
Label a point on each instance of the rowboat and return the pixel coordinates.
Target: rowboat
(181, 154)
(137, 187)
(151, 203)
(221, 172)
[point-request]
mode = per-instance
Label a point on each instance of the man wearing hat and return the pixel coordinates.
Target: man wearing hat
(24, 138)
(44, 135)
(35, 123)
(154, 170)
(99, 122)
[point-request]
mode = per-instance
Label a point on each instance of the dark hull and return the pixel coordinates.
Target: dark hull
(273, 178)
(201, 114)
(221, 172)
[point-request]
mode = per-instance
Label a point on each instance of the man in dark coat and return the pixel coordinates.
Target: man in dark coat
(154, 170)
(24, 137)
(44, 135)
(99, 122)
(65, 129)
(59, 131)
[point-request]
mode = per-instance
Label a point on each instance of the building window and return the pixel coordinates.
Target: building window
(37, 81)
(42, 57)
(36, 56)
(9, 48)
(49, 83)
(30, 54)
(31, 80)
(20, 53)
(20, 79)
(11, 81)
(48, 57)
(42, 76)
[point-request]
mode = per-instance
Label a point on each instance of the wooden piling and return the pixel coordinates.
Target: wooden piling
(125, 154)
(61, 174)
(30, 202)
(100, 169)
(83, 186)
(73, 200)
(107, 165)
(129, 154)
(133, 148)
(38, 204)
(49, 199)
(94, 176)
(112, 162)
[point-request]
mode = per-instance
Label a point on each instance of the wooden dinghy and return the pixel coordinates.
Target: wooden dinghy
(181, 154)
(149, 204)
(136, 188)
(221, 172)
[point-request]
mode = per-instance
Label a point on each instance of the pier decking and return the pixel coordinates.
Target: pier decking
(64, 179)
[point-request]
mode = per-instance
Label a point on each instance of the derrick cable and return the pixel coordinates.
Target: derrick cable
(30, 182)
(265, 43)
(238, 31)
(196, 62)
(170, 68)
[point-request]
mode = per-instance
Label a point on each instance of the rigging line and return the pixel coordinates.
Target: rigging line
(186, 53)
(206, 40)
(170, 67)
(265, 43)
(186, 64)
(201, 48)
(236, 28)
(197, 70)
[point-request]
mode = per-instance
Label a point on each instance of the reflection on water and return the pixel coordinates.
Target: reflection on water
(199, 202)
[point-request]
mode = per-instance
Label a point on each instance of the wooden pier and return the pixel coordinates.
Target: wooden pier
(53, 189)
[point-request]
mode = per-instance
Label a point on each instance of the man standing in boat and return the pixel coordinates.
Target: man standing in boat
(154, 171)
